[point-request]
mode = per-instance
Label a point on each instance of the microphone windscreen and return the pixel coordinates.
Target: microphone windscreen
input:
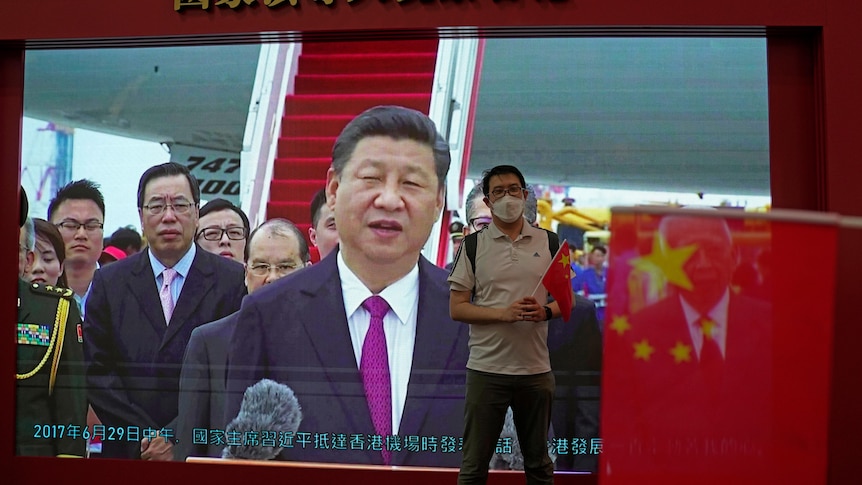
(268, 409)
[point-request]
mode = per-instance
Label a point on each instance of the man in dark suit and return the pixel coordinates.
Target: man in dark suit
(575, 348)
(141, 312)
(274, 250)
(362, 337)
(699, 361)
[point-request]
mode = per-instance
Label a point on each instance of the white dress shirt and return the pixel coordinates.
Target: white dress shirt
(182, 267)
(399, 324)
(718, 314)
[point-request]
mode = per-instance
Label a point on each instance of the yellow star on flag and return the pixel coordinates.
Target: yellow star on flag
(666, 262)
(707, 326)
(681, 352)
(566, 262)
(643, 350)
(620, 324)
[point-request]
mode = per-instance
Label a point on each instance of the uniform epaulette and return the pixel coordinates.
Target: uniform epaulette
(51, 290)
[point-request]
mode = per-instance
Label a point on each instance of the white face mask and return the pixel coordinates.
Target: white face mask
(508, 208)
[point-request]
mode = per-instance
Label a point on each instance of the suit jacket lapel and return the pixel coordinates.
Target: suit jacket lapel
(437, 345)
(143, 286)
(325, 322)
(198, 283)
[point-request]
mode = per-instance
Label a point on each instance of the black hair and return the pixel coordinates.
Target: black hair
(168, 169)
(318, 201)
(218, 205)
(396, 122)
(125, 237)
(50, 233)
(500, 170)
(78, 190)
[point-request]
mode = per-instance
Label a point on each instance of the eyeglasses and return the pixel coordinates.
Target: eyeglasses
(480, 223)
(215, 233)
(71, 226)
(179, 207)
(281, 269)
(513, 190)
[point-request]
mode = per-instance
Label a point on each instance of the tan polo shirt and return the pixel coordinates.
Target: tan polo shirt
(506, 271)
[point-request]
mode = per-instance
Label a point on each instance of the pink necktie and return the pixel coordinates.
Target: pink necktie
(374, 367)
(168, 276)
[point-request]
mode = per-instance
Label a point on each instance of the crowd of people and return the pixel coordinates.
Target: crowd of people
(165, 331)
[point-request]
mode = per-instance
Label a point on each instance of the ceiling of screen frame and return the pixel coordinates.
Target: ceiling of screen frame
(665, 114)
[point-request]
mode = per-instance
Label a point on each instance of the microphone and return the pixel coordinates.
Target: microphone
(512, 459)
(266, 406)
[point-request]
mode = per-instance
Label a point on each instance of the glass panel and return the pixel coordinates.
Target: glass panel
(601, 121)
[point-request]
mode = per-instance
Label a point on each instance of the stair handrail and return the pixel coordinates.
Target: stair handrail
(451, 101)
(274, 81)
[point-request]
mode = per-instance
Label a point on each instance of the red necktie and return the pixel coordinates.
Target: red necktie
(374, 367)
(711, 360)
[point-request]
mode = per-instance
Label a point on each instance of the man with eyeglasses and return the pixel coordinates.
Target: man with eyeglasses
(141, 312)
(78, 211)
(507, 308)
(478, 214)
(223, 229)
(274, 250)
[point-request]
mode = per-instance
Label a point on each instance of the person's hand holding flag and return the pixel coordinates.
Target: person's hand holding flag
(558, 280)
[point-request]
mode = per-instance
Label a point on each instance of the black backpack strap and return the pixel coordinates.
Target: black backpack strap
(553, 243)
(553, 247)
(469, 244)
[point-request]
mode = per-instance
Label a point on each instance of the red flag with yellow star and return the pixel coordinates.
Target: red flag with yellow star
(712, 329)
(558, 280)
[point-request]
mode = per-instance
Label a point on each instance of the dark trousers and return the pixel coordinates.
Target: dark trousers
(488, 397)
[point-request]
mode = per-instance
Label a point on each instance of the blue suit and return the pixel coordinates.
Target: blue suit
(203, 387)
(133, 357)
(295, 331)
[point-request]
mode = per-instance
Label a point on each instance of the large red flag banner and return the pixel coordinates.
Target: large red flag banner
(558, 280)
(717, 348)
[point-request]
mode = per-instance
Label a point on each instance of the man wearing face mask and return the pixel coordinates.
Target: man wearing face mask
(495, 292)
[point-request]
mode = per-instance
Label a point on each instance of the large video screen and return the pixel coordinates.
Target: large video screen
(256, 350)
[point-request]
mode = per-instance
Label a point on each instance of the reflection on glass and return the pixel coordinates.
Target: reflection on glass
(672, 115)
(689, 332)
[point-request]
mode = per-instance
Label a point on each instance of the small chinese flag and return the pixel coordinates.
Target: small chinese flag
(558, 280)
